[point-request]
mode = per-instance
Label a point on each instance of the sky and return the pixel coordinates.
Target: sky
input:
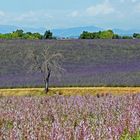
(123, 14)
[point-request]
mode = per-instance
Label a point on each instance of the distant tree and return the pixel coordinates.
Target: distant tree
(136, 35)
(98, 35)
(127, 37)
(6, 36)
(26, 36)
(37, 36)
(48, 63)
(20, 32)
(28, 33)
(106, 34)
(48, 35)
(83, 35)
(17, 34)
(116, 36)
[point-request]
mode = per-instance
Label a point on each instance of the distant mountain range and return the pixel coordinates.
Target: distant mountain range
(75, 31)
(66, 32)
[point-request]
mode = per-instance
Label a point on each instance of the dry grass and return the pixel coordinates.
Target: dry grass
(70, 91)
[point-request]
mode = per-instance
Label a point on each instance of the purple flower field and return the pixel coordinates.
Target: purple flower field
(70, 118)
(87, 63)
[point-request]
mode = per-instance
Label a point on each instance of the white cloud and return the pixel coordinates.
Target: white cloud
(33, 19)
(100, 9)
(133, 1)
(2, 14)
(32, 16)
(122, 1)
(102, 13)
(137, 9)
(74, 14)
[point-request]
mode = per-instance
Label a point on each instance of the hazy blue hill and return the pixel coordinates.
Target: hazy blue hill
(74, 32)
(126, 32)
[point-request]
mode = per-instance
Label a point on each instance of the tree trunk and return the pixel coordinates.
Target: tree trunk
(47, 82)
(47, 86)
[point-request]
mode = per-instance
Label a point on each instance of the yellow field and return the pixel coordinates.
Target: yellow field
(70, 91)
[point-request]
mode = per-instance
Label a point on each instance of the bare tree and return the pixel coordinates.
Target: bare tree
(48, 63)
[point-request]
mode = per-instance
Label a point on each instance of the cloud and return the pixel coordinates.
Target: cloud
(119, 13)
(2, 14)
(137, 9)
(132, 1)
(100, 9)
(32, 16)
(74, 14)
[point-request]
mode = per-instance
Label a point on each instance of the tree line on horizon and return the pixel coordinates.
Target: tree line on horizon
(20, 34)
(106, 34)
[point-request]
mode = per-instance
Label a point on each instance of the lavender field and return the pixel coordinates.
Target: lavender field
(87, 62)
(70, 118)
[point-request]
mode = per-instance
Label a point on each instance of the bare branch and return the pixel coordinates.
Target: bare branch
(47, 62)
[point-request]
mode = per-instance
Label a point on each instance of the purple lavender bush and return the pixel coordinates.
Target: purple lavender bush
(87, 62)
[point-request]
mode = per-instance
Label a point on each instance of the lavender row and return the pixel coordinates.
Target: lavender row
(87, 62)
